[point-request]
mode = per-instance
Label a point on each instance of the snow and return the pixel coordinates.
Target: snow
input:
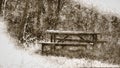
(12, 57)
(112, 6)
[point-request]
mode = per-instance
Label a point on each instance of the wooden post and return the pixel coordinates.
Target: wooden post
(54, 40)
(51, 38)
(94, 39)
(42, 51)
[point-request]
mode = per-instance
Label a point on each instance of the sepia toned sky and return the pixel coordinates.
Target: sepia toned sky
(104, 5)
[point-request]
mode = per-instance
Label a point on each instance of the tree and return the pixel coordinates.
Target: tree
(54, 8)
(1, 1)
(23, 21)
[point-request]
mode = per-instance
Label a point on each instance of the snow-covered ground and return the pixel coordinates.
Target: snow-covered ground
(12, 57)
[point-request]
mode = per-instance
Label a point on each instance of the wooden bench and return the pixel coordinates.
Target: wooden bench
(53, 44)
(66, 40)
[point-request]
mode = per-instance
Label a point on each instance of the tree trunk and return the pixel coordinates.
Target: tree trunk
(23, 21)
(1, 1)
(38, 24)
(58, 7)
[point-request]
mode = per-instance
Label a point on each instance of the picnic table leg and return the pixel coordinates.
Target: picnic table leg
(94, 39)
(42, 51)
(53, 39)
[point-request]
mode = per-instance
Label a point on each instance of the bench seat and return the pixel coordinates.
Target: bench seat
(54, 44)
(64, 44)
(83, 41)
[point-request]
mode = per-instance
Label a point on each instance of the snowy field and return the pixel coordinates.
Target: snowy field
(12, 57)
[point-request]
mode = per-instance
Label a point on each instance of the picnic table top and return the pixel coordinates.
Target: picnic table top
(69, 32)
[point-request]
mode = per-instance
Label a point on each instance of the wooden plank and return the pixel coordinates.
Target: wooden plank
(70, 32)
(71, 44)
(78, 40)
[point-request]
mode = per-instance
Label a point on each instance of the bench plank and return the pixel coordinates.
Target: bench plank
(65, 44)
(70, 32)
(84, 41)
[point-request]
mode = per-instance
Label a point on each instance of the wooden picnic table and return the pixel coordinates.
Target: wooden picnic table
(79, 34)
(56, 40)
